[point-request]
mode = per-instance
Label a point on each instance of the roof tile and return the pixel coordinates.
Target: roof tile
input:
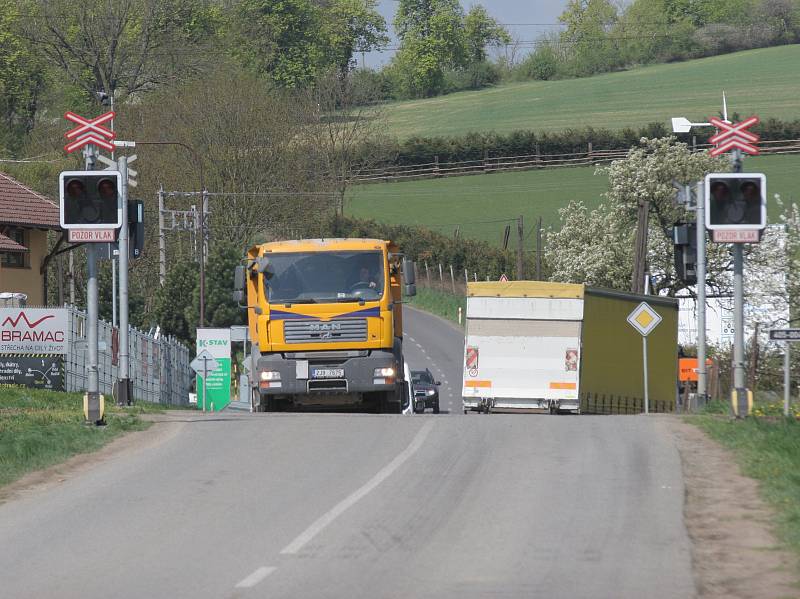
(20, 205)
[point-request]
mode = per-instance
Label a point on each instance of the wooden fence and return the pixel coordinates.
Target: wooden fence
(491, 164)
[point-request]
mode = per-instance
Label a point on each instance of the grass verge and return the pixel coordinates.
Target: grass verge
(42, 428)
(768, 450)
(439, 303)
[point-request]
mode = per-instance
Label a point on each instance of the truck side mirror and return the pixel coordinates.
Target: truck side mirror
(238, 278)
(411, 290)
(238, 284)
(409, 276)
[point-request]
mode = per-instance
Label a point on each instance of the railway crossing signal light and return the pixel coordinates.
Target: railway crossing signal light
(684, 236)
(90, 200)
(736, 201)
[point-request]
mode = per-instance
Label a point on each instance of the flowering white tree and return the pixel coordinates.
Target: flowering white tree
(597, 246)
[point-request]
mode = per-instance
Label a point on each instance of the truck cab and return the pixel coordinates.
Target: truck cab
(325, 317)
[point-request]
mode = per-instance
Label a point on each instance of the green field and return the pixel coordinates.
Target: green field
(763, 82)
(481, 205)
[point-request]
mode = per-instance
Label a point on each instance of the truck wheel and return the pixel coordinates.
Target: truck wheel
(436, 408)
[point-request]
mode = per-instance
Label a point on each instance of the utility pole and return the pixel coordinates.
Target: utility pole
(93, 414)
(640, 251)
(123, 386)
(701, 293)
(738, 297)
(203, 254)
(520, 249)
(162, 240)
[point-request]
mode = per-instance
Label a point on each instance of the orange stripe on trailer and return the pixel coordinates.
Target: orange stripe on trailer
(477, 383)
(563, 385)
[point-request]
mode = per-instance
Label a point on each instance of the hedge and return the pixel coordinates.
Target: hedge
(474, 146)
(424, 245)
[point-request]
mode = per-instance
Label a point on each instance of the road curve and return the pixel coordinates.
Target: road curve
(348, 505)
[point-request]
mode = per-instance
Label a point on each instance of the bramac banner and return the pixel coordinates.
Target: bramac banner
(217, 342)
(33, 330)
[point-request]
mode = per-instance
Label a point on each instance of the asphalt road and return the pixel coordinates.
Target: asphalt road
(348, 505)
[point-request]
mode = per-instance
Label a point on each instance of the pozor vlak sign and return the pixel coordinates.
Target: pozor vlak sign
(216, 342)
(33, 330)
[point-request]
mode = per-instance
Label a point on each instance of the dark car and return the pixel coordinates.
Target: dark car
(426, 391)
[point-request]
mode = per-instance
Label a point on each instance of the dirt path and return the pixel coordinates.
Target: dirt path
(734, 551)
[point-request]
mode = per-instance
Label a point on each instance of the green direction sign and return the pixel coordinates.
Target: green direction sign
(217, 343)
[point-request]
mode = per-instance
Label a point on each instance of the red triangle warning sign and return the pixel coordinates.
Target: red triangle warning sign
(503, 278)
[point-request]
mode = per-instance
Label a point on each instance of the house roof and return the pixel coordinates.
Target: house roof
(9, 245)
(20, 205)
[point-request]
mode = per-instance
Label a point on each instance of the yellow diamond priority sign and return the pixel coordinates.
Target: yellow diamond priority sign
(644, 319)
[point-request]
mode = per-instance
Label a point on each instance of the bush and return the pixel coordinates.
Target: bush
(424, 245)
(543, 64)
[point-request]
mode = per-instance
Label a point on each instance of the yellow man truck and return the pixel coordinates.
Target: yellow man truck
(326, 323)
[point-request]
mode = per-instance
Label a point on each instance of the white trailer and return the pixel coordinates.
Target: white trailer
(522, 352)
(533, 345)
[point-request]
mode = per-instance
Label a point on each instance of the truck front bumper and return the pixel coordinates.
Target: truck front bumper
(296, 375)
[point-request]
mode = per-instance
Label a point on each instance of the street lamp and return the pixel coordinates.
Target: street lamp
(684, 125)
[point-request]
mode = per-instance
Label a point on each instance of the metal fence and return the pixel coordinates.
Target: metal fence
(159, 368)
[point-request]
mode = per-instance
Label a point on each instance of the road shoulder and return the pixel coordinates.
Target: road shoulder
(40, 481)
(735, 553)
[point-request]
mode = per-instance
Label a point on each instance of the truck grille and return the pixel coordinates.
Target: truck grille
(332, 331)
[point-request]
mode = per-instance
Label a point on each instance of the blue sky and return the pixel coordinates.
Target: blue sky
(506, 11)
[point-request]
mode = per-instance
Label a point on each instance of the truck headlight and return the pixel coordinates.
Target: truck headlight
(270, 375)
(384, 372)
(430, 392)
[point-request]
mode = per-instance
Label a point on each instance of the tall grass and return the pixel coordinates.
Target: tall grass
(439, 302)
(42, 428)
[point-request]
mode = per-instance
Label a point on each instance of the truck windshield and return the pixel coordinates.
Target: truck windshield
(316, 277)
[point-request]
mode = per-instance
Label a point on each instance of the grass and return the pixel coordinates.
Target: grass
(768, 450)
(481, 205)
(762, 82)
(42, 428)
(440, 303)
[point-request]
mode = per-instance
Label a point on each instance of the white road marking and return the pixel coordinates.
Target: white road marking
(255, 577)
(410, 337)
(324, 520)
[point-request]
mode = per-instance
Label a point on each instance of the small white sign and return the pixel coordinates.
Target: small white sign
(743, 236)
(204, 363)
(33, 330)
(216, 341)
(644, 319)
(92, 235)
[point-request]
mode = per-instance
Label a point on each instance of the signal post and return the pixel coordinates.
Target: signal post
(91, 213)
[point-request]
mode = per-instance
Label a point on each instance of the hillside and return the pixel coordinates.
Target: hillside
(481, 205)
(762, 81)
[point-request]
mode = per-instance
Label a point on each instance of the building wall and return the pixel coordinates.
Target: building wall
(28, 280)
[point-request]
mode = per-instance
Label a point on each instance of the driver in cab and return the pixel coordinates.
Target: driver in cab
(365, 279)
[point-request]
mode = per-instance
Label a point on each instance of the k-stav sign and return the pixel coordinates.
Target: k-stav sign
(33, 331)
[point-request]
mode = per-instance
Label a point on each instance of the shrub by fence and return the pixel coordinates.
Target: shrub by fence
(496, 151)
(479, 259)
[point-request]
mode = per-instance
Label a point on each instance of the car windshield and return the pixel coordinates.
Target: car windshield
(312, 277)
(421, 376)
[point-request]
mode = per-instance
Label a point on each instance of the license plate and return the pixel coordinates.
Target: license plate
(328, 373)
